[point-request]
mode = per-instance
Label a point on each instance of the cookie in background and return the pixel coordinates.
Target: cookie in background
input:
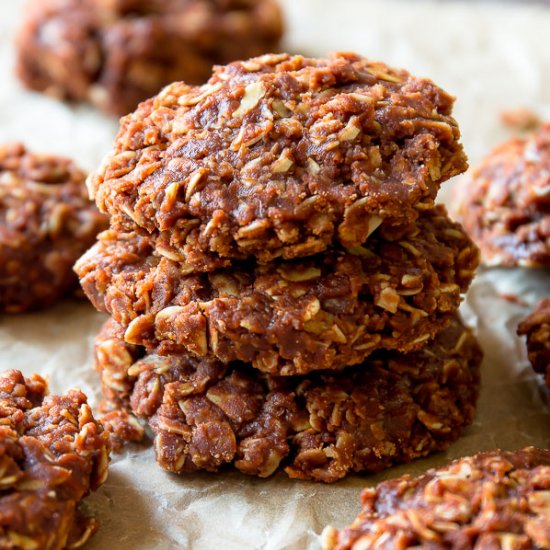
(46, 222)
(116, 53)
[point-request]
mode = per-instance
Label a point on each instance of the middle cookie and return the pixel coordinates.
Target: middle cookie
(324, 312)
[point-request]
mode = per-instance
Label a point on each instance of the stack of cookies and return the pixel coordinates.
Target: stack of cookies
(283, 291)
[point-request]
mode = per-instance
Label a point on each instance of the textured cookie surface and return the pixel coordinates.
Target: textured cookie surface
(116, 53)
(504, 203)
(280, 156)
(325, 312)
(496, 500)
(536, 327)
(322, 427)
(46, 223)
(52, 454)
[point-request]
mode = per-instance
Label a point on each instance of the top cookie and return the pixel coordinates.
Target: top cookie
(280, 156)
(504, 204)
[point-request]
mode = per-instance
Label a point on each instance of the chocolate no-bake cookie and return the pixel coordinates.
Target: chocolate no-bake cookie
(496, 500)
(52, 454)
(46, 223)
(116, 53)
(324, 312)
(280, 157)
(322, 426)
(505, 202)
(536, 327)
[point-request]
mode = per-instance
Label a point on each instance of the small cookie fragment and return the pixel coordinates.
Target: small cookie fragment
(46, 223)
(52, 454)
(520, 118)
(321, 427)
(504, 203)
(536, 327)
(122, 428)
(325, 312)
(495, 500)
(116, 53)
(280, 157)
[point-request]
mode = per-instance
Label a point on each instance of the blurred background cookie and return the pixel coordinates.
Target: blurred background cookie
(504, 203)
(116, 53)
(46, 223)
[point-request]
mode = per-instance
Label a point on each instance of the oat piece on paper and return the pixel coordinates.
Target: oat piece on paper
(116, 53)
(46, 223)
(52, 454)
(321, 427)
(280, 157)
(324, 312)
(536, 327)
(504, 202)
(495, 500)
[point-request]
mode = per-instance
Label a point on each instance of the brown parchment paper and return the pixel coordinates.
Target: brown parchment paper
(492, 56)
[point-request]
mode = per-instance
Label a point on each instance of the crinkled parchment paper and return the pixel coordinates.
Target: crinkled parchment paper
(491, 56)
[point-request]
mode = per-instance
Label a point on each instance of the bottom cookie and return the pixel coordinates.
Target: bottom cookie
(537, 329)
(487, 501)
(205, 415)
(52, 454)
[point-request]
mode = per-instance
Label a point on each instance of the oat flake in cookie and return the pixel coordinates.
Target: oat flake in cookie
(280, 157)
(116, 53)
(536, 327)
(52, 454)
(504, 203)
(46, 223)
(324, 312)
(321, 427)
(490, 501)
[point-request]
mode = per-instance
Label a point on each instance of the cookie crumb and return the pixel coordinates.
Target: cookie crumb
(520, 119)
